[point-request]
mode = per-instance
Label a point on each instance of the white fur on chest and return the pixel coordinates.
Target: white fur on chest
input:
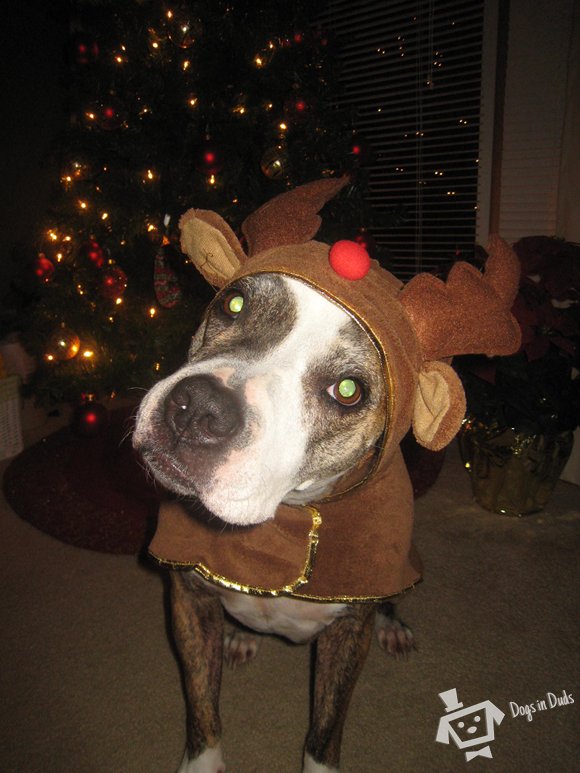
(296, 620)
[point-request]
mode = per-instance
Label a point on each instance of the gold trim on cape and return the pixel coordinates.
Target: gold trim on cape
(286, 590)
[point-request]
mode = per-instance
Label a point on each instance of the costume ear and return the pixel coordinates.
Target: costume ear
(211, 244)
(439, 405)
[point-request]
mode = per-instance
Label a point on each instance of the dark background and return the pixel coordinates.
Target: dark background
(32, 65)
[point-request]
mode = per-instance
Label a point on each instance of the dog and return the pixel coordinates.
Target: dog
(282, 394)
(280, 438)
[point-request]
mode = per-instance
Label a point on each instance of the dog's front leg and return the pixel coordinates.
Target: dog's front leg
(198, 629)
(341, 651)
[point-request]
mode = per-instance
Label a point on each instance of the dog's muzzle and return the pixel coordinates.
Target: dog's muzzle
(202, 412)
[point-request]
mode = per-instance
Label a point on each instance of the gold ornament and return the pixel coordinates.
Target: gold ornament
(274, 163)
(63, 344)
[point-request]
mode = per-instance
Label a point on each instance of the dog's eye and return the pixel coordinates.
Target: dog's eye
(347, 391)
(233, 303)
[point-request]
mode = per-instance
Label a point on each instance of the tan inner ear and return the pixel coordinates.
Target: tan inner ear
(439, 406)
(210, 250)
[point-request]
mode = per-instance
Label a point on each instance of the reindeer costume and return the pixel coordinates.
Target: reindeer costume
(354, 545)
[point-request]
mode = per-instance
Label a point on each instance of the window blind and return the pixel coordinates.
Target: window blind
(411, 73)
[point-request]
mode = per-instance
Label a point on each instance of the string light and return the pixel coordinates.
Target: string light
(152, 312)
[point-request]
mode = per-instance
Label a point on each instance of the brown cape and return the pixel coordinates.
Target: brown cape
(353, 548)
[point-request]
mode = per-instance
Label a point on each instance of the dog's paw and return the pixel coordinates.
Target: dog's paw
(209, 761)
(311, 766)
(239, 647)
(393, 635)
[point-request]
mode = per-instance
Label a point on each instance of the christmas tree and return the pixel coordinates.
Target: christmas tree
(214, 104)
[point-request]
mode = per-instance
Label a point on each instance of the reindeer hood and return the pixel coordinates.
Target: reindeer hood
(356, 544)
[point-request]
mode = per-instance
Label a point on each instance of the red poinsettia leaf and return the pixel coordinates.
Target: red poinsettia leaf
(485, 369)
(528, 335)
(559, 280)
(552, 318)
(537, 348)
(535, 253)
(522, 311)
(564, 343)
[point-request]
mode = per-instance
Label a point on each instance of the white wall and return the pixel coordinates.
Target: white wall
(540, 174)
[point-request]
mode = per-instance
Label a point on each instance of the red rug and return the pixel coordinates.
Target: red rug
(93, 492)
(88, 492)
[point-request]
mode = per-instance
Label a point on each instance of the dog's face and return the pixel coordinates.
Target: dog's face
(282, 393)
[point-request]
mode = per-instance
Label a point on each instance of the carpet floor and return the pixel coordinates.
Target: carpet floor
(89, 681)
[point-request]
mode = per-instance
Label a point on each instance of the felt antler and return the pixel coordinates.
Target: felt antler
(470, 313)
(292, 217)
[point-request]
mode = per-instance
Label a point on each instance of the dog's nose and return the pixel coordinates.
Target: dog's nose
(202, 411)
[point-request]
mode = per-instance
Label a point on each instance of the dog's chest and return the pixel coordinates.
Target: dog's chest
(297, 620)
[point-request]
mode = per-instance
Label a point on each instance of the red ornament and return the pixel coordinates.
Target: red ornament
(349, 259)
(93, 252)
(366, 240)
(85, 49)
(44, 268)
(89, 419)
(167, 289)
(360, 150)
(209, 158)
(297, 107)
(111, 114)
(114, 283)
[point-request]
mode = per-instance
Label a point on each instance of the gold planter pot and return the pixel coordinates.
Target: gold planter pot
(512, 473)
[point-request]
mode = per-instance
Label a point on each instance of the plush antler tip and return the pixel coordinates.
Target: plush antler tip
(503, 268)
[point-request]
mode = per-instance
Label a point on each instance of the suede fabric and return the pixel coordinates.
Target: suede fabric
(292, 217)
(310, 553)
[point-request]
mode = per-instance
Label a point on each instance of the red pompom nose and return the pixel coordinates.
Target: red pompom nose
(349, 259)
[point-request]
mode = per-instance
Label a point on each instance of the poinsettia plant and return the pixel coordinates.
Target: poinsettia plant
(537, 389)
